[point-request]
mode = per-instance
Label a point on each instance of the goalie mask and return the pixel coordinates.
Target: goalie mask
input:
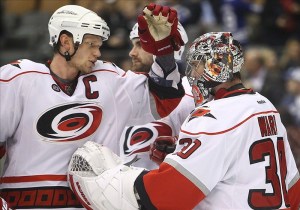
(78, 21)
(212, 59)
(177, 54)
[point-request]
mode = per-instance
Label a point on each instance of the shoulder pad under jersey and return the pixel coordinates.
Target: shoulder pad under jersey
(20, 67)
(107, 66)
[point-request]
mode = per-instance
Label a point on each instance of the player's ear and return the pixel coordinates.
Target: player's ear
(66, 41)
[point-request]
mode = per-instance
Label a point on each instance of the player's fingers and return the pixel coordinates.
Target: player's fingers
(164, 14)
(142, 22)
(151, 6)
(148, 9)
(165, 11)
(158, 155)
(157, 10)
(172, 16)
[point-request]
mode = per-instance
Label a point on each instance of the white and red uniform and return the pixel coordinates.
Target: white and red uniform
(135, 140)
(232, 153)
(42, 126)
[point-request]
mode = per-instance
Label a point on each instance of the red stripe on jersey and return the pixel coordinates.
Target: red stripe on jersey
(27, 72)
(36, 178)
(189, 95)
(229, 129)
(38, 72)
(223, 93)
(169, 189)
(101, 70)
(294, 196)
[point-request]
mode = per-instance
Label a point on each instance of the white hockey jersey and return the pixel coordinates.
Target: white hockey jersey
(135, 140)
(232, 153)
(42, 126)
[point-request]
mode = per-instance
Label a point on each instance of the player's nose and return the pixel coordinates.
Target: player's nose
(133, 52)
(97, 53)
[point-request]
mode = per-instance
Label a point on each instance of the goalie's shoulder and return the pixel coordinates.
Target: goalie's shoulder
(21, 67)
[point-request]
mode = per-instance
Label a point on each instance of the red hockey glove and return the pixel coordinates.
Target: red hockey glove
(158, 30)
(162, 146)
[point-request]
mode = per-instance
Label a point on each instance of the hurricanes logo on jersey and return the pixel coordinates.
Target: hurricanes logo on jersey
(138, 138)
(16, 63)
(201, 112)
(69, 122)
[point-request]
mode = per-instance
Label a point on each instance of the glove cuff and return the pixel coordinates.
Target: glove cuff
(164, 46)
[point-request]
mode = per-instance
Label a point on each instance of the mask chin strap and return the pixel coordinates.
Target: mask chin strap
(67, 54)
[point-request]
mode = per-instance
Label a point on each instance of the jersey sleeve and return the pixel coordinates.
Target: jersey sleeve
(166, 91)
(292, 177)
(166, 98)
(180, 113)
(135, 142)
(167, 188)
(294, 192)
(11, 102)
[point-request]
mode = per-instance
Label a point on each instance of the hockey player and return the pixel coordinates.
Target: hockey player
(49, 110)
(232, 151)
(166, 144)
(135, 140)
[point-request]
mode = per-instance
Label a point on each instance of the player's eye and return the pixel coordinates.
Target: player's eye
(92, 45)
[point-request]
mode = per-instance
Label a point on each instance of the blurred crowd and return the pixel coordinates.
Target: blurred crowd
(269, 31)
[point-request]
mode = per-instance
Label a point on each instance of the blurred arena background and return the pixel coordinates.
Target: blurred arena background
(269, 31)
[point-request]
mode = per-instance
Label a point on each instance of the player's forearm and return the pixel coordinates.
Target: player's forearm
(164, 72)
(166, 62)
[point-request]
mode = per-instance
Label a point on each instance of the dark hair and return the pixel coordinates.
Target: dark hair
(57, 45)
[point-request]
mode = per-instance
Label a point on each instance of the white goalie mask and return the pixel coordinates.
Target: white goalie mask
(78, 21)
(220, 56)
(177, 54)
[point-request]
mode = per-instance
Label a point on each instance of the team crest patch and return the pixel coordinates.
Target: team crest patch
(137, 139)
(69, 122)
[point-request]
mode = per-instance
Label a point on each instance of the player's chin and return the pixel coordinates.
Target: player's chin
(87, 69)
(136, 66)
(90, 67)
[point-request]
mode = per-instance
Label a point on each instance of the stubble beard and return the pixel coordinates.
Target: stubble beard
(141, 67)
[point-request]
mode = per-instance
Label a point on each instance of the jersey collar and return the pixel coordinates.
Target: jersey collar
(234, 90)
